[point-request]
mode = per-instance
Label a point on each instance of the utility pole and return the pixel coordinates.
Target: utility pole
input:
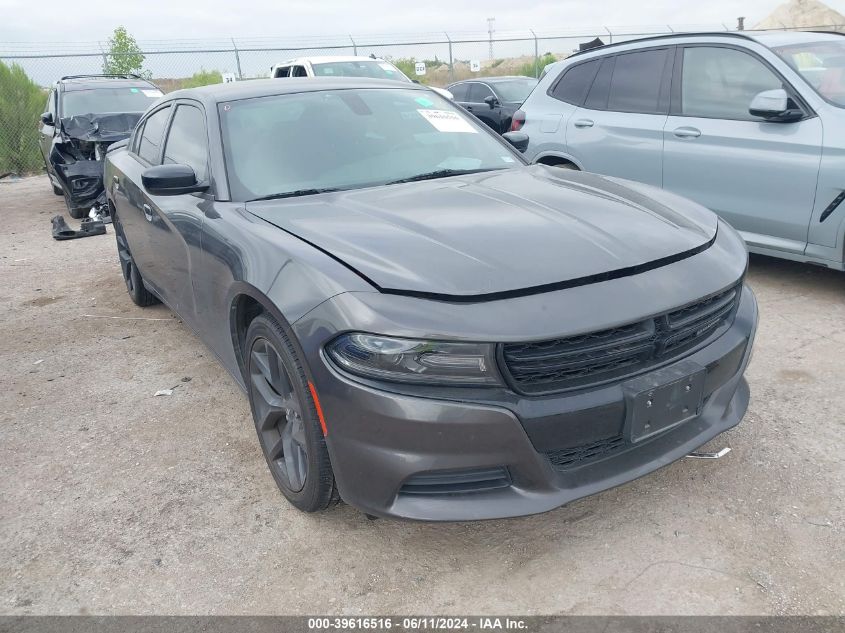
(490, 32)
(740, 24)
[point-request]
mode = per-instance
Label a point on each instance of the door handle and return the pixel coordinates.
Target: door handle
(148, 212)
(583, 123)
(687, 132)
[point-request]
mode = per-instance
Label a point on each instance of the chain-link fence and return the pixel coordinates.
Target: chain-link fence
(447, 57)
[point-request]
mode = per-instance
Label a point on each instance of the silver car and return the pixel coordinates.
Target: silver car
(750, 125)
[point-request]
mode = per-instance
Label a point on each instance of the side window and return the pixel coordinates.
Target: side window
(187, 142)
(51, 103)
(459, 91)
(150, 143)
(136, 138)
(721, 82)
(479, 92)
(572, 87)
(299, 71)
(597, 97)
(635, 84)
(284, 71)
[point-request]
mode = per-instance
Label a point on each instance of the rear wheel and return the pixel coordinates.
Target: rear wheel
(131, 275)
(286, 418)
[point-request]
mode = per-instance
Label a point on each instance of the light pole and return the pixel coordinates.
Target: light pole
(490, 34)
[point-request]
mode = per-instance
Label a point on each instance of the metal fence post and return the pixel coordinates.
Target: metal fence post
(536, 55)
(451, 62)
(237, 59)
(609, 34)
(354, 46)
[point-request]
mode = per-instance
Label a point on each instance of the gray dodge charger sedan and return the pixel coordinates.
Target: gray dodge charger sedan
(426, 326)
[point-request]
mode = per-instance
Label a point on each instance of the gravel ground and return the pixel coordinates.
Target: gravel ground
(113, 501)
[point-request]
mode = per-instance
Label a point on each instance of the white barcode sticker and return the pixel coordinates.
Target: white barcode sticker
(446, 121)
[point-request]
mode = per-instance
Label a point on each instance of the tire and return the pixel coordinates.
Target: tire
(285, 417)
(131, 275)
(57, 190)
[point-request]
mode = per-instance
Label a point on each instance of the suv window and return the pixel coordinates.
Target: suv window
(187, 142)
(576, 80)
(51, 104)
(299, 71)
(597, 97)
(150, 144)
(721, 82)
(459, 91)
(635, 84)
(479, 92)
(284, 71)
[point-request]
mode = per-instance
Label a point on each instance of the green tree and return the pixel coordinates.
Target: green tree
(21, 103)
(124, 55)
(203, 78)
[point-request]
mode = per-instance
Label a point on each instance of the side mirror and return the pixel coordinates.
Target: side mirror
(491, 101)
(519, 140)
(47, 118)
(171, 180)
(773, 105)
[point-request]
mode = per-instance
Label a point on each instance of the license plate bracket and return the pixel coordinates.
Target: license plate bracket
(663, 399)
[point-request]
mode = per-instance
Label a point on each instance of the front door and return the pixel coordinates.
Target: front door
(758, 175)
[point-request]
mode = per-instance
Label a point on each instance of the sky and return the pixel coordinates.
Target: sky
(93, 20)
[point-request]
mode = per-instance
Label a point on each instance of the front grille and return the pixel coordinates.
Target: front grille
(566, 458)
(605, 355)
(446, 482)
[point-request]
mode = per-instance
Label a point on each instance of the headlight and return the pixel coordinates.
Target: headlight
(415, 361)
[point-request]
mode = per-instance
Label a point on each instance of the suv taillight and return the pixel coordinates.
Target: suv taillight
(517, 121)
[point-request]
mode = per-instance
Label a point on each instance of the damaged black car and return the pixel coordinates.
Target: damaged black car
(85, 114)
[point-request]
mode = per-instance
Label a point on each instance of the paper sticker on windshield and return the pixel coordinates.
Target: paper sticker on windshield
(387, 67)
(133, 90)
(506, 159)
(446, 121)
(426, 103)
(152, 93)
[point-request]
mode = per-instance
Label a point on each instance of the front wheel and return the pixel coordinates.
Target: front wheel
(286, 418)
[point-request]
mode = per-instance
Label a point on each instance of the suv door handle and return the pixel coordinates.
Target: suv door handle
(687, 132)
(148, 212)
(583, 123)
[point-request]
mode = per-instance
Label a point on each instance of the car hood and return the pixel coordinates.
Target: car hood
(495, 234)
(107, 127)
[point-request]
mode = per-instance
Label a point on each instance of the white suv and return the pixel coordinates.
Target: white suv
(350, 66)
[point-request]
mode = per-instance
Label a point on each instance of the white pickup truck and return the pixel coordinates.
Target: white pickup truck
(349, 66)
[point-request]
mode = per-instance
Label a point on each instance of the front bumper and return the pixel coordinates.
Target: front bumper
(379, 440)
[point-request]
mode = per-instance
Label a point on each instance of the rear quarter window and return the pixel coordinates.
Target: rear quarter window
(574, 82)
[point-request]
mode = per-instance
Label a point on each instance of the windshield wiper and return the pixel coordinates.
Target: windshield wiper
(294, 194)
(440, 173)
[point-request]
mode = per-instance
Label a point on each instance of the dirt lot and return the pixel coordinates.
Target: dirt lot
(116, 501)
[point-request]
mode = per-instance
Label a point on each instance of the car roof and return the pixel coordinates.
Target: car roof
(769, 39)
(95, 81)
(252, 88)
(324, 59)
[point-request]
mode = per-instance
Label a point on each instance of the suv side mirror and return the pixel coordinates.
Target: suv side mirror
(171, 180)
(47, 118)
(519, 140)
(491, 101)
(773, 105)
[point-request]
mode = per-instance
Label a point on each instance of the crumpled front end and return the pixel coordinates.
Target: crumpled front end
(79, 150)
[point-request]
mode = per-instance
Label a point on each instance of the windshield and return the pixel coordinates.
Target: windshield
(374, 68)
(99, 100)
(515, 91)
(822, 64)
(348, 139)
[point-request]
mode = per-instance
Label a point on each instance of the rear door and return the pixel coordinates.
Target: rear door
(617, 129)
(133, 204)
(759, 175)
